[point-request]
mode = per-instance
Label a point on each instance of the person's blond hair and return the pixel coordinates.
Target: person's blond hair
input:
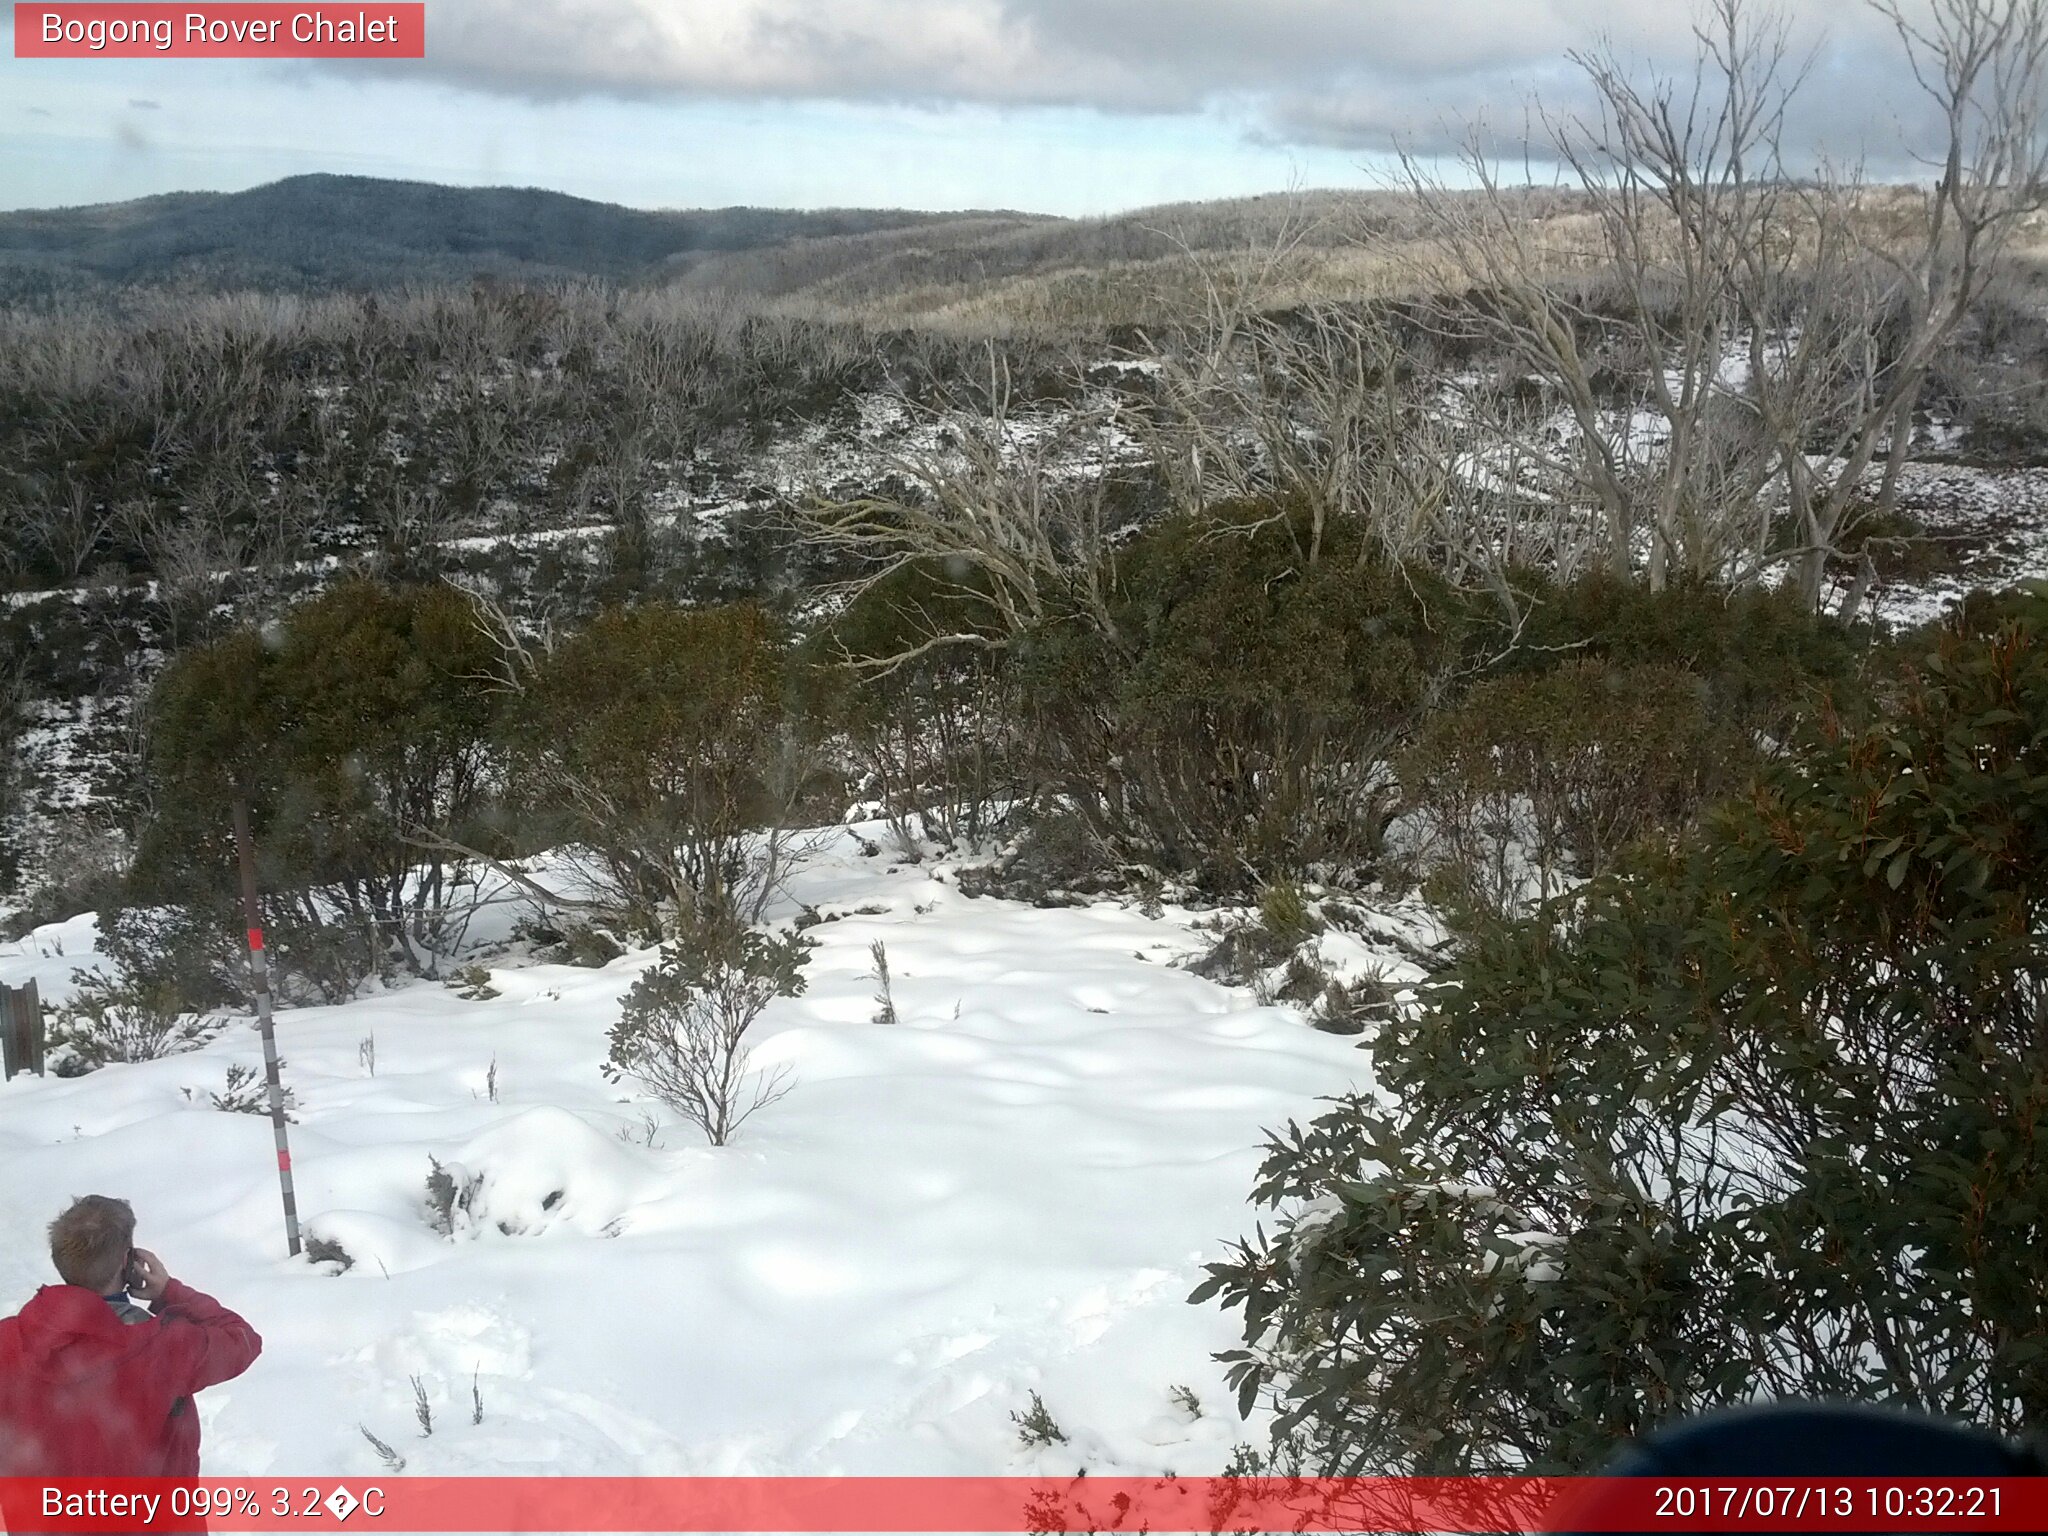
(89, 1243)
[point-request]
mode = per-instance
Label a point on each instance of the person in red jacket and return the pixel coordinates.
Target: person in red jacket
(93, 1386)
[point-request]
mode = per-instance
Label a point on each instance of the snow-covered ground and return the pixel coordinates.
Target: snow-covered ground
(1989, 525)
(1010, 1190)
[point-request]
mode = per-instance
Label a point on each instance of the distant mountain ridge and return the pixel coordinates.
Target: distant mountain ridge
(892, 267)
(321, 233)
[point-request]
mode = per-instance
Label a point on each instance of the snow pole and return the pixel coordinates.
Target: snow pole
(259, 970)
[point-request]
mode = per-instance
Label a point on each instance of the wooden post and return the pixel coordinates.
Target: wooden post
(259, 971)
(21, 1031)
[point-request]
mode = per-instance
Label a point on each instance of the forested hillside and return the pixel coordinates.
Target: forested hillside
(310, 234)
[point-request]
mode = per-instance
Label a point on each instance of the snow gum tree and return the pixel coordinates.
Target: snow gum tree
(1778, 319)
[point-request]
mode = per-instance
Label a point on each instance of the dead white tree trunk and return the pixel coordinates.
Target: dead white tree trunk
(1749, 298)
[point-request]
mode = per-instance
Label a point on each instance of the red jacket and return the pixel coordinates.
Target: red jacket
(83, 1394)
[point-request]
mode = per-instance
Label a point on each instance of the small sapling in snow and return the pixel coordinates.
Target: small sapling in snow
(682, 1031)
(1036, 1427)
(393, 1462)
(885, 998)
(247, 1093)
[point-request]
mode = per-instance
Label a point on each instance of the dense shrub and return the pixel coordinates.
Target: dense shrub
(933, 731)
(359, 731)
(1241, 723)
(1764, 657)
(661, 742)
(1759, 1116)
(1535, 779)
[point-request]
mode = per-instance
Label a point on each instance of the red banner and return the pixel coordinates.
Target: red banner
(1006, 1504)
(239, 31)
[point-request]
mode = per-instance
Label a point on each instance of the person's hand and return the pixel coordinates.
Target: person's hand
(147, 1276)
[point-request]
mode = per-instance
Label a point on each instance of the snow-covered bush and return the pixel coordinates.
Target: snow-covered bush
(529, 1173)
(683, 1029)
(325, 1250)
(1757, 1116)
(248, 1093)
(108, 1021)
(450, 1194)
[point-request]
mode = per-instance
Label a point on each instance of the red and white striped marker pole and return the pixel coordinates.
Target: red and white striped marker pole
(259, 969)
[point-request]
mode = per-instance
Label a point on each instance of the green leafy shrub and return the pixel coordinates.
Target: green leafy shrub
(1758, 1115)
(933, 731)
(662, 742)
(682, 1031)
(359, 732)
(1240, 725)
(1535, 779)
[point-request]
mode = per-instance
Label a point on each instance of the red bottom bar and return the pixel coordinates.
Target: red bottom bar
(1021, 1504)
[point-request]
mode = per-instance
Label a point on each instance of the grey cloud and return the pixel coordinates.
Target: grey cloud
(40, 112)
(144, 104)
(1354, 74)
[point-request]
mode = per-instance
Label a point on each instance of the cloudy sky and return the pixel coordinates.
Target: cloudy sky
(1063, 106)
